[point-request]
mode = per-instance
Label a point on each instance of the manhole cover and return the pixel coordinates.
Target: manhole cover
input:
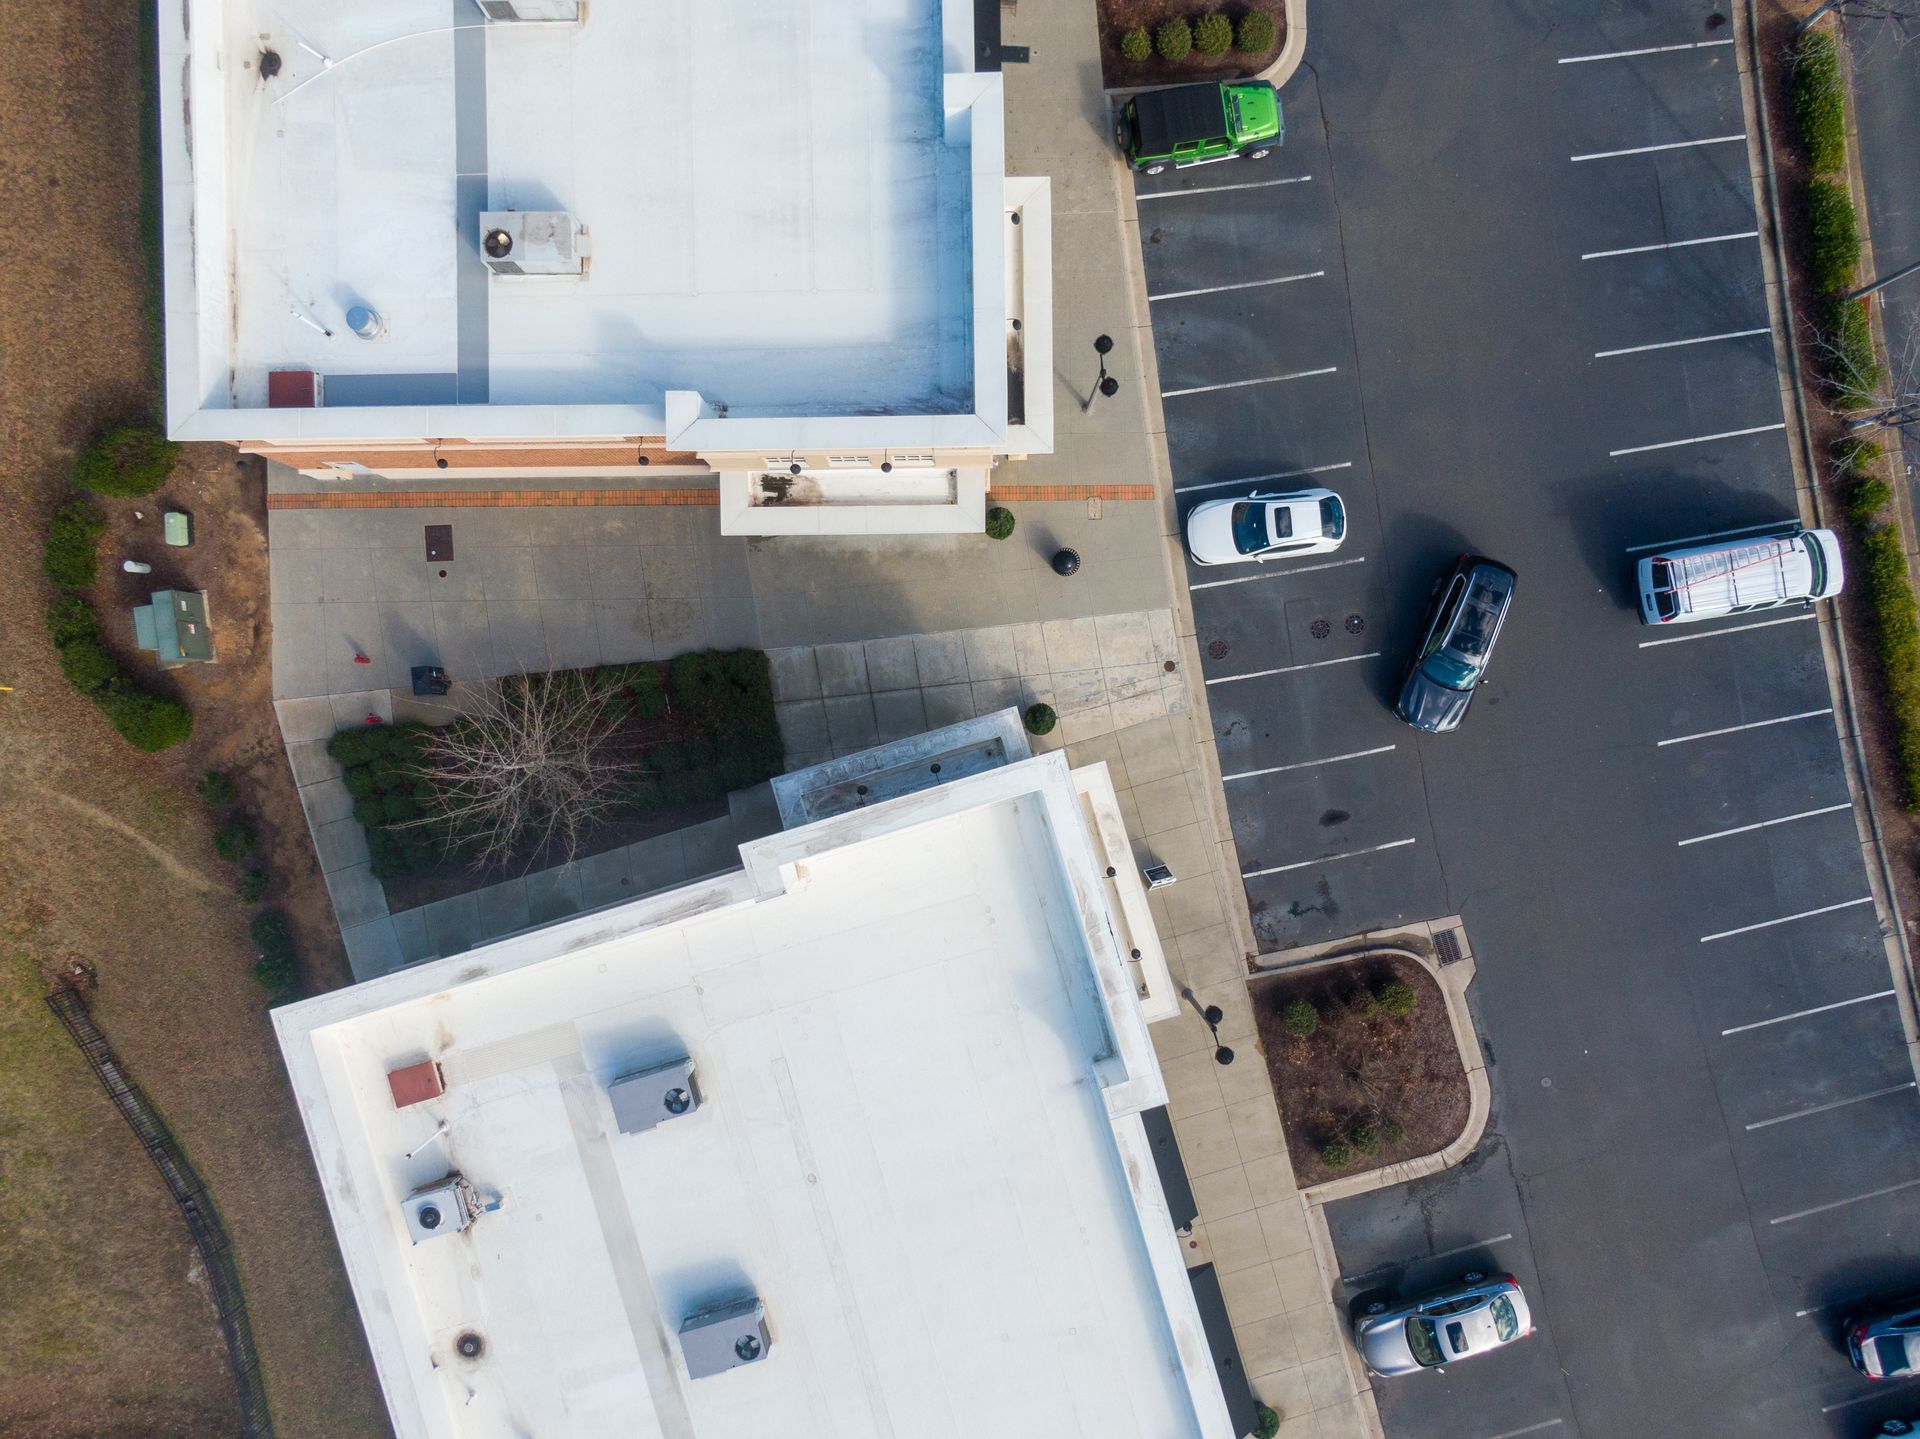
(1218, 649)
(1321, 629)
(1356, 623)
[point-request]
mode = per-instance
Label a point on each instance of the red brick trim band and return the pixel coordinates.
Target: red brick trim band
(484, 499)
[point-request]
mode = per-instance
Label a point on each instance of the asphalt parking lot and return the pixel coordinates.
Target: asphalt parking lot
(1502, 290)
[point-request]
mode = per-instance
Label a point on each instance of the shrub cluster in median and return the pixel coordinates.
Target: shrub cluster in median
(1897, 632)
(70, 554)
(1211, 34)
(145, 721)
(1819, 102)
(1835, 232)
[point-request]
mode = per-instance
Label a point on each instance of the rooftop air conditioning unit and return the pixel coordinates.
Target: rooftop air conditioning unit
(533, 242)
(724, 1337)
(651, 1096)
(443, 1207)
(507, 12)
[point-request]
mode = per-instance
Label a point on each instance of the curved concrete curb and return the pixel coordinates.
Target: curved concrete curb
(1452, 982)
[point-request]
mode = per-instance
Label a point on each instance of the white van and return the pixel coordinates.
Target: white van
(1703, 582)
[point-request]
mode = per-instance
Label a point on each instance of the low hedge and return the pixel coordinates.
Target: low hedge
(1173, 39)
(70, 554)
(1255, 34)
(1853, 372)
(1213, 35)
(145, 721)
(129, 461)
(1835, 233)
(273, 938)
(1819, 102)
(1896, 619)
(1137, 44)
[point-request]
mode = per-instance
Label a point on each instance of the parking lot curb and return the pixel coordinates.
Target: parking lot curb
(1833, 641)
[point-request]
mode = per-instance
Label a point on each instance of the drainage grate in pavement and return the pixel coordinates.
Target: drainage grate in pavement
(1447, 942)
(1321, 628)
(1218, 649)
(1356, 623)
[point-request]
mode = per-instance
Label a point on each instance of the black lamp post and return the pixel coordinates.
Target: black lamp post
(1106, 384)
(1212, 1014)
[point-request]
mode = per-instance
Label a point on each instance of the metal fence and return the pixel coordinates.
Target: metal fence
(203, 1221)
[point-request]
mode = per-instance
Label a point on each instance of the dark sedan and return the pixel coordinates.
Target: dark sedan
(1884, 1342)
(1463, 620)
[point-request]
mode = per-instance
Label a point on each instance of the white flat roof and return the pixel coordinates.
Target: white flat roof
(794, 209)
(920, 1064)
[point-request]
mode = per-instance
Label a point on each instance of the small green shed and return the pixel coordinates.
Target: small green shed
(173, 624)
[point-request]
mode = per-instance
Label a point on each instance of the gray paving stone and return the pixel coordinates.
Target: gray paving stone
(454, 580)
(453, 924)
(850, 722)
(340, 844)
(408, 639)
(505, 574)
(672, 571)
(553, 894)
(1124, 640)
(732, 624)
(709, 848)
(991, 695)
(803, 725)
(891, 664)
(357, 895)
(372, 949)
(991, 654)
(325, 802)
(351, 707)
(676, 625)
(624, 631)
(573, 642)
(346, 631)
(465, 642)
(1030, 648)
(604, 878)
(299, 651)
(617, 572)
(796, 676)
(518, 639)
(1071, 644)
(501, 909)
(410, 933)
(942, 658)
(899, 713)
(400, 574)
(657, 862)
(947, 704)
(843, 669)
(561, 573)
(304, 719)
(345, 576)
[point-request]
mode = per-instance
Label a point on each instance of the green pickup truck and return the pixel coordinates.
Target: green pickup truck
(1198, 124)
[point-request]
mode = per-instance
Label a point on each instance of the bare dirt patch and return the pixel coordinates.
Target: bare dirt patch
(1362, 1066)
(1119, 16)
(107, 1329)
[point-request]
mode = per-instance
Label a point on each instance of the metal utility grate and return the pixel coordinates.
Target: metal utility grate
(1447, 942)
(439, 542)
(1321, 628)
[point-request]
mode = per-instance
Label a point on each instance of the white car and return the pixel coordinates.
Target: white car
(1266, 527)
(1460, 1321)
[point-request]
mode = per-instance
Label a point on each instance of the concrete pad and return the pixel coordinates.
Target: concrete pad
(1086, 724)
(357, 896)
(465, 643)
(850, 722)
(1071, 645)
(605, 878)
(410, 932)
(672, 571)
(340, 844)
(658, 862)
(947, 704)
(453, 924)
(299, 650)
(941, 659)
(1165, 803)
(553, 894)
(372, 949)
(891, 664)
(517, 639)
(991, 695)
(351, 707)
(304, 720)
(1030, 648)
(843, 669)
(505, 574)
(560, 573)
(617, 572)
(1124, 640)
(803, 726)
(676, 625)
(325, 803)
(899, 713)
(501, 909)
(1152, 751)
(732, 624)
(345, 576)
(709, 848)
(400, 574)
(1077, 690)
(991, 654)
(311, 763)
(573, 642)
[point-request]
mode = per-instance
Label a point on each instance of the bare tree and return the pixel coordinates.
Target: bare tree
(533, 764)
(1902, 15)
(1862, 392)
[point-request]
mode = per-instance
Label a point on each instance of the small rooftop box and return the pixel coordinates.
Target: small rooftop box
(724, 1337)
(647, 1096)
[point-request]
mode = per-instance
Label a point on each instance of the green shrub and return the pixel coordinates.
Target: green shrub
(1819, 102)
(399, 806)
(1000, 519)
(1835, 249)
(737, 770)
(369, 813)
(350, 747)
(87, 666)
(1173, 39)
(724, 692)
(1392, 1131)
(1267, 1422)
(132, 460)
(1866, 497)
(1364, 1138)
(677, 789)
(274, 939)
(1853, 374)
(1889, 594)
(215, 789)
(70, 555)
(644, 793)
(233, 840)
(1213, 35)
(1856, 454)
(359, 781)
(1256, 33)
(1299, 1019)
(649, 690)
(251, 886)
(1336, 1154)
(71, 618)
(1399, 1000)
(1039, 719)
(387, 853)
(668, 758)
(145, 721)
(1136, 45)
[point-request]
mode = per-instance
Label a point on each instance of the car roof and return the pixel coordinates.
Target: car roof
(1179, 115)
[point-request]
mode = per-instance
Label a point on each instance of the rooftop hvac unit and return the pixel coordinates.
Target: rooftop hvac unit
(506, 12)
(533, 242)
(443, 1207)
(724, 1337)
(651, 1096)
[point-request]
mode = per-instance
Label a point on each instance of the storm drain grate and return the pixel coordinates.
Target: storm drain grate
(1321, 628)
(1356, 623)
(1218, 649)
(1447, 942)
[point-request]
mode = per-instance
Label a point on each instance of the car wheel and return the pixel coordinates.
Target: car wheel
(1369, 1303)
(1155, 170)
(1896, 1426)
(1377, 1307)
(1259, 154)
(1472, 1276)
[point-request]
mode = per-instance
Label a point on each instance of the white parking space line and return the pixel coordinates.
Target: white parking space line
(1736, 729)
(1644, 50)
(1221, 189)
(1268, 573)
(1656, 149)
(1680, 344)
(1863, 1398)
(1305, 763)
(1262, 479)
(1763, 824)
(1729, 630)
(1292, 669)
(1540, 1428)
(1712, 535)
(1425, 1258)
(1808, 1013)
(1672, 245)
(1842, 1204)
(1244, 285)
(1324, 859)
(1836, 1104)
(1266, 380)
(1695, 440)
(1785, 919)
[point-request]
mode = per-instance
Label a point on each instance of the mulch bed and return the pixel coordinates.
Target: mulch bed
(1362, 1065)
(1119, 16)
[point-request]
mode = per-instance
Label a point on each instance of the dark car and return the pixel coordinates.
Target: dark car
(1463, 620)
(1884, 1342)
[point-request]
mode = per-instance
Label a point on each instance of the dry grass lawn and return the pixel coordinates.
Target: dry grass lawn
(107, 1329)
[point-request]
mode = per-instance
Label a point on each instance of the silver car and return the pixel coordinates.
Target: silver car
(1266, 527)
(1461, 1321)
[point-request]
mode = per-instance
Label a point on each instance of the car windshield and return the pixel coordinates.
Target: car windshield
(1424, 1343)
(1446, 668)
(1506, 1323)
(1666, 603)
(1333, 519)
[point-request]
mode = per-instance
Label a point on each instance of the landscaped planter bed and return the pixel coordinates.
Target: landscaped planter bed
(1363, 1068)
(1119, 16)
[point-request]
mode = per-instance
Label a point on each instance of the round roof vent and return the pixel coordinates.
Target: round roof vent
(470, 1345)
(498, 244)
